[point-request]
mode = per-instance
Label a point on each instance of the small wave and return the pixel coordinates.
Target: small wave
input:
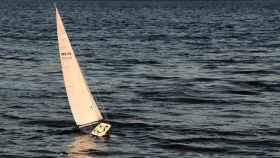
(134, 125)
(50, 123)
(13, 156)
(271, 45)
(190, 100)
(258, 72)
(194, 148)
(154, 77)
(13, 116)
(215, 132)
(243, 92)
(40, 95)
(154, 37)
(118, 115)
(272, 131)
(41, 151)
(205, 79)
(269, 86)
(138, 61)
(239, 111)
(2, 130)
(22, 59)
(94, 153)
(235, 116)
(63, 131)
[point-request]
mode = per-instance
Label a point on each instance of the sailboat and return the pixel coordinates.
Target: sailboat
(85, 111)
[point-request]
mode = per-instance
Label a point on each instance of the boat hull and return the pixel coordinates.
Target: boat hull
(100, 129)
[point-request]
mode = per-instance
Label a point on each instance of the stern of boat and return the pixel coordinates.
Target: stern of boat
(101, 129)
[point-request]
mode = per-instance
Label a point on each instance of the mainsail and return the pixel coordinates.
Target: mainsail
(83, 106)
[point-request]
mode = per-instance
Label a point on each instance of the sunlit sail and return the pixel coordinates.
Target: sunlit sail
(83, 106)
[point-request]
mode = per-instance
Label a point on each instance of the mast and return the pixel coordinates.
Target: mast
(84, 108)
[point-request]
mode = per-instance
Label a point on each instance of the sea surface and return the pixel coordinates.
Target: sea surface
(177, 79)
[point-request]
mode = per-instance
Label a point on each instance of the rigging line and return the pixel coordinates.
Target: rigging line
(100, 105)
(105, 114)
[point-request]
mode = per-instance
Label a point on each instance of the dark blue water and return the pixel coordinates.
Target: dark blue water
(177, 79)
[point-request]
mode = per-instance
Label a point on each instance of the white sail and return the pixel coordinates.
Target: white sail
(83, 107)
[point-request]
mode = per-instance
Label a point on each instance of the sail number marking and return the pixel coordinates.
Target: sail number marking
(66, 55)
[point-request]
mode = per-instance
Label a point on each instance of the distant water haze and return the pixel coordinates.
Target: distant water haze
(176, 78)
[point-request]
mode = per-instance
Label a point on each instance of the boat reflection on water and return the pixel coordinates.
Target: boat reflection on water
(86, 146)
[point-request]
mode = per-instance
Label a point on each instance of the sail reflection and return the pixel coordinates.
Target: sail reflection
(85, 146)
